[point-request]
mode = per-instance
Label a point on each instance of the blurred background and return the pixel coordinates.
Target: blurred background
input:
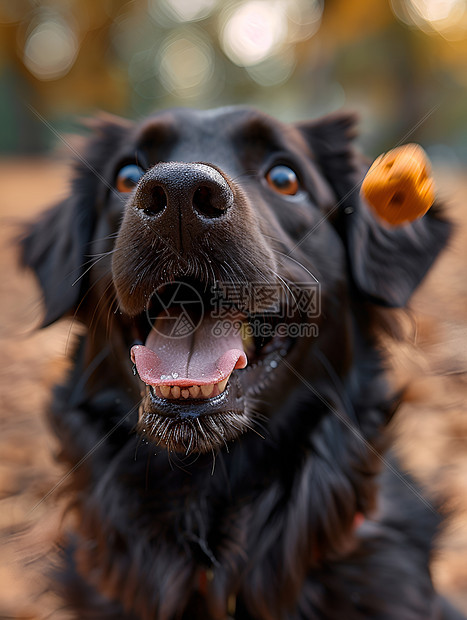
(401, 63)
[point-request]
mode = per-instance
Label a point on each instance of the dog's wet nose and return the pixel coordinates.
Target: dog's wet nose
(183, 190)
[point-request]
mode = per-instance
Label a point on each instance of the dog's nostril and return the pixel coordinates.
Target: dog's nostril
(156, 201)
(209, 202)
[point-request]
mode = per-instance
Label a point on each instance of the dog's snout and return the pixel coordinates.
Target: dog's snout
(184, 190)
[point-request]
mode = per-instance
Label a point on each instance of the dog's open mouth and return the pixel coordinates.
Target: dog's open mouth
(196, 364)
(190, 359)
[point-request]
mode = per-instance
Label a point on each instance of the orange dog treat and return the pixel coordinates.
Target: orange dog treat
(399, 185)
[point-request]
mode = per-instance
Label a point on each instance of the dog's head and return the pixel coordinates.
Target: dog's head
(227, 254)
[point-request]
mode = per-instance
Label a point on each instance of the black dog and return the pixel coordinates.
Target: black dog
(231, 258)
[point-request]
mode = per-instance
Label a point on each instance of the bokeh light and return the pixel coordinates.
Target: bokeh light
(185, 64)
(253, 31)
(304, 18)
(51, 47)
(181, 10)
(445, 17)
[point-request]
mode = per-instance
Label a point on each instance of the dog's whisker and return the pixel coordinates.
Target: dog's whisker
(111, 316)
(93, 259)
(245, 175)
(256, 420)
(287, 290)
(213, 468)
(86, 271)
(99, 255)
(94, 323)
(301, 265)
(209, 267)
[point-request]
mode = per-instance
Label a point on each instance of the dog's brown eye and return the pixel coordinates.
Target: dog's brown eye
(283, 179)
(128, 177)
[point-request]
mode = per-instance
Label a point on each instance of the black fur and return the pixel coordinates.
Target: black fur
(262, 526)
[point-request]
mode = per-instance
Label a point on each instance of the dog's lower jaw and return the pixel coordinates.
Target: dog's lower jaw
(185, 436)
(196, 427)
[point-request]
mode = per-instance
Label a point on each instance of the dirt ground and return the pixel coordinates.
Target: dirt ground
(430, 429)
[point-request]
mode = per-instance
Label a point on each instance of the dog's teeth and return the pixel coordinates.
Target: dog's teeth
(194, 391)
(206, 390)
(222, 385)
(165, 390)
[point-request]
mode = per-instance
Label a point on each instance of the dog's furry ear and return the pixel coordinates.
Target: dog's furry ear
(386, 264)
(331, 141)
(55, 246)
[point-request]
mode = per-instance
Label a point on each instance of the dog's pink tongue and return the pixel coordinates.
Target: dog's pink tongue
(197, 358)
